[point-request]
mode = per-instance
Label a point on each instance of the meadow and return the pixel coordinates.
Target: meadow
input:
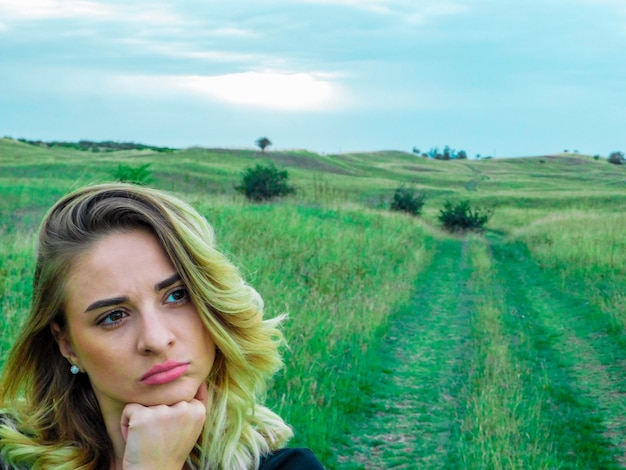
(408, 347)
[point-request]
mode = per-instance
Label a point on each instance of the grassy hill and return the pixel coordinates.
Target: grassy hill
(408, 346)
(366, 179)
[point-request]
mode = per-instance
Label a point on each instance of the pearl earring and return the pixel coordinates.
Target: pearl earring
(74, 369)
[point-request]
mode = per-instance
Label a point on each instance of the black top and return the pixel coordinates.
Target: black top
(291, 459)
(283, 459)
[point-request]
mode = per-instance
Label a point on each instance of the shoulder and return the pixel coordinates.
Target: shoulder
(291, 459)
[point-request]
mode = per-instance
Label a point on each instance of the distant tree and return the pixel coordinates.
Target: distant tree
(416, 150)
(447, 153)
(263, 142)
(461, 155)
(596, 157)
(617, 158)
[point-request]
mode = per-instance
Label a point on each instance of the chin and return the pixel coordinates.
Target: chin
(170, 395)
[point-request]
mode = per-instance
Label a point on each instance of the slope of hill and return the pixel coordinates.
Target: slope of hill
(368, 179)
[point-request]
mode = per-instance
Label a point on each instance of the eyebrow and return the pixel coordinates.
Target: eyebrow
(106, 303)
(167, 282)
(164, 284)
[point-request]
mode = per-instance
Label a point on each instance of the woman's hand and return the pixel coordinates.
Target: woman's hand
(161, 437)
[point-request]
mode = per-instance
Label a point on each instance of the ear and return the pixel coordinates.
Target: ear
(65, 345)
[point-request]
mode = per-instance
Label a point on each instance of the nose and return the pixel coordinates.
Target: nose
(155, 334)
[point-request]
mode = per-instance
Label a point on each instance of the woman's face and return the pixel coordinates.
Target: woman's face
(131, 325)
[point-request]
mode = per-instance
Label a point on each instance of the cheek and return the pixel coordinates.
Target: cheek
(96, 355)
(206, 345)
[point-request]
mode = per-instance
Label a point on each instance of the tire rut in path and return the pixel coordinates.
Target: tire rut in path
(413, 420)
(585, 398)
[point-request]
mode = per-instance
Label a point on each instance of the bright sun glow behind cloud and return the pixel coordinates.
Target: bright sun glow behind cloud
(281, 91)
(273, 90)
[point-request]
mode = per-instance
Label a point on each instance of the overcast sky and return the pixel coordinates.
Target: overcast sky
(492, 77)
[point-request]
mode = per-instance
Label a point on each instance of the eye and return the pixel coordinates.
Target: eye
(112, 319)
(177, 296)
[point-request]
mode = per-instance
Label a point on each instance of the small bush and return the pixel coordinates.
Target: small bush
(461, 217)
(407, 200)
(141, 175)
(264, 182)
(617, 158)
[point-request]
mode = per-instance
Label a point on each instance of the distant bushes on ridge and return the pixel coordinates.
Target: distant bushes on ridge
(447, 153)
(617, 158)
(89, 145)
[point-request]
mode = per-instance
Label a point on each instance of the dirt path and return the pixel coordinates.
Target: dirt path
(585, 398)
(414, 413)
(570, 367)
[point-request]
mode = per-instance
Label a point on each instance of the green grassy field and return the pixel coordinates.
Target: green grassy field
(409, 347)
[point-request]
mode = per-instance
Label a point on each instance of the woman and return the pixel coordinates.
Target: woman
(144, 348)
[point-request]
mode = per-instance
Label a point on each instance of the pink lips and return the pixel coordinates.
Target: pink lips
(164, 373)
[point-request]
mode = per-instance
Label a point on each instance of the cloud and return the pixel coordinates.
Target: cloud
(233, 32)
(271, 90)
(40, 9)
(86, 9)
(372, 5)
(617, 4)
(411, 10)
(185, 50)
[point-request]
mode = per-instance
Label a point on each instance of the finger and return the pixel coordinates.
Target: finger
(202, 395)
(124, 425)
(125, 420)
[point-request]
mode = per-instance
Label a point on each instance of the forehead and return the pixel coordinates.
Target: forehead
(121, 245)
(117, 264)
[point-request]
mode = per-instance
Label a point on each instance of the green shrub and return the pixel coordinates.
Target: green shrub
(461, 217)
(141, 175)
(264, 182)
(407, 200)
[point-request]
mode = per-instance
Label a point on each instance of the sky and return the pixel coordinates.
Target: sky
(492, 77)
